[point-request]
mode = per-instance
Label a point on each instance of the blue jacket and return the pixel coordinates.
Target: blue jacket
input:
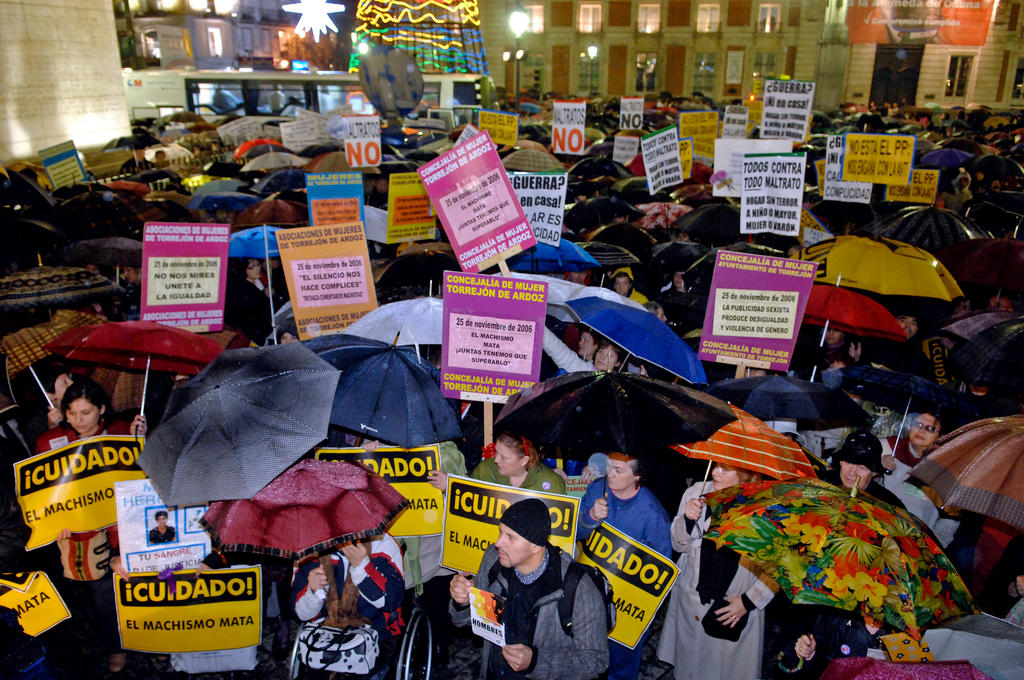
(641, 517)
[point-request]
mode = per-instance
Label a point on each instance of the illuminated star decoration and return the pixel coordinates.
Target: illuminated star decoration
(315, 16)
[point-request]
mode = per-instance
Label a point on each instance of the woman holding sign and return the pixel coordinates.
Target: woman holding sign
(714, 627)
(517, 463)
(87, 413)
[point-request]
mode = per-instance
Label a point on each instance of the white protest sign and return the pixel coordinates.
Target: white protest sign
(542, 195)
(661, 158)
(154, 536)
(735, 122)
(306, 131)
(569, 118)
(625, 148)
(239, 130)
(469, 132)
(728, 176)
(787, 109)
(631, 113)
(773, 188)
(835, 189)
(361, 135)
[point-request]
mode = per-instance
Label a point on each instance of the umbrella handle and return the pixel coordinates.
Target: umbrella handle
(707, 473)
(145, 385)
(41, 388)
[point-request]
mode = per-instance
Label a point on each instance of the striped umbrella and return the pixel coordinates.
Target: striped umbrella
(926, 227)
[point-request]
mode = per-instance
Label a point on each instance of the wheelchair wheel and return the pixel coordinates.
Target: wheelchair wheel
(417, 652)
(294, 665)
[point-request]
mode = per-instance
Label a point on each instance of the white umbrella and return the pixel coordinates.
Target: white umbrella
(175, 152)
(274, 160)
(561, 291)
(415, 322)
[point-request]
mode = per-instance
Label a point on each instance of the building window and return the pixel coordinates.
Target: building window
(768, 17)
(1018, 82)
(646, 70)
(590, 18)
(959, 72)
(536, 14)
(704, 73)
(708, 18)
(648, 18)
(214, 42)
(764, 64)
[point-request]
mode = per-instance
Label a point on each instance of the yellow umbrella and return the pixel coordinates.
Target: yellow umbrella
(881, 265)
(996, 121)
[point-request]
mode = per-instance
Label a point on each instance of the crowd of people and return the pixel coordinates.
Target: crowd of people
(649, 251)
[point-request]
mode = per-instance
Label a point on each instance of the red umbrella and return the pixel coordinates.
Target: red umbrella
(133, 344)
(987, 262)
(245, 146)
(865, 668)
(850, 312)
(273, 211)
(306, 510)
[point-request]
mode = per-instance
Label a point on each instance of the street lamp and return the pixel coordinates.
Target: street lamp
(592, 54)
(518, 22)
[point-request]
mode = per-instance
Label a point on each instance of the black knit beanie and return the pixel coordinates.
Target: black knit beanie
(530, 519)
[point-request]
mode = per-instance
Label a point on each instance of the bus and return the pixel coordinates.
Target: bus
(156, 93)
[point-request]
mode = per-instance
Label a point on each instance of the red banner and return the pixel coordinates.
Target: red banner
(917, 22)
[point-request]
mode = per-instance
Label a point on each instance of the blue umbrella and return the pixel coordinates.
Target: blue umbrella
(249, 243)
(281, 180)
(567, 257)
(640, 333)
(530, 107)
(946, 158)
(218, 185)
(222, 200)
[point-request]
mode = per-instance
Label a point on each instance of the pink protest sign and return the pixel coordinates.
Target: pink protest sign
(492, 335)
(478, 208)
(754, 309)
(184, 274)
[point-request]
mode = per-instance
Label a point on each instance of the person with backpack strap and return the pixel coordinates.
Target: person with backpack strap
(530, 574)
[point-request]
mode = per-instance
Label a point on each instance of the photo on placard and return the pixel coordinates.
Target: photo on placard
(160, 525)
(193, 513)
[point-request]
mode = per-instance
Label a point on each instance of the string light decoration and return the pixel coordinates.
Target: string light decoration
(315, 16)
(443, 37)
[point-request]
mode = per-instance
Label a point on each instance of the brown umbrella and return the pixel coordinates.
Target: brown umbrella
(272, 211)
(333, 161)
(980, 467)
(531, 160)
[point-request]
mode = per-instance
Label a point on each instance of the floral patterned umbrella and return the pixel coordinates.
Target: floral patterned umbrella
(823, 547)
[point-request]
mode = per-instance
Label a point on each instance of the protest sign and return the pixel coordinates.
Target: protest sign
(886, 159)
(923, 188)
(220, 609)
(503, 127)
(625, 148)
(334, 197)
(3, 171)
(62, 164)
(735, 122)
(703, 127)
(72, 487)
(473, 511)
(772, 194)
(661, 159)
(937, 352)
(479, 211)
(631, 113)
(468, 133)
(754, 310)
(487, 615)
(330, 282)
(686, 156)
(153, 535)
(408, 471)
(641, 579)
(727, 179)
(239, 130)
(832, 187)
(361, 135)
(787, 109)
(492, 335)
(35, 601)
(569, 118)
(811, 229)
(410, 215)
(542, 196)
(185, 274)
(305, 131)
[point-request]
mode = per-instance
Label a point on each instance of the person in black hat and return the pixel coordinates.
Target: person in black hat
(858, 463)
(528, 572)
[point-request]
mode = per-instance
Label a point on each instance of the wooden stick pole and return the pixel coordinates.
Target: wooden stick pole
(488, 422)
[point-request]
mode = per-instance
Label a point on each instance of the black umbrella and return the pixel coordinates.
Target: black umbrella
(676, 256)
(609, 255)
(97, 214)
(139, 140)
(593, 212)
(837, 214)
(904, 391)
(241, 422)
(425, 268)
(777, 397)
(598, 166)
(635, 190)
(994, 357)
(317, 149)
(686, 310)
(714, 224)
(116, 251)
(926, 227)
(599, 411)
(25, 191)
(223, 169)
(634, 239)
(387, 392)
(996, 167)
(698, 276)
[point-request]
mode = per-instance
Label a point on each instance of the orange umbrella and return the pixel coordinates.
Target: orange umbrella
(750, 444)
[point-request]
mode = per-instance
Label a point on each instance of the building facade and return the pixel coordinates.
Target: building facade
(950, 52)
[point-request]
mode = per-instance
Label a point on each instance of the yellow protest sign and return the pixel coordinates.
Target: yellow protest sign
(686, 156)
(702, 126)
(504, 127)
(641, 579)
(218, 610)
(811, 230)
(923, 188)
(73, 487)
(39, 606)
(819, 168)
(473, 512)
(410, 215)
(407, 470)
(886, 159)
